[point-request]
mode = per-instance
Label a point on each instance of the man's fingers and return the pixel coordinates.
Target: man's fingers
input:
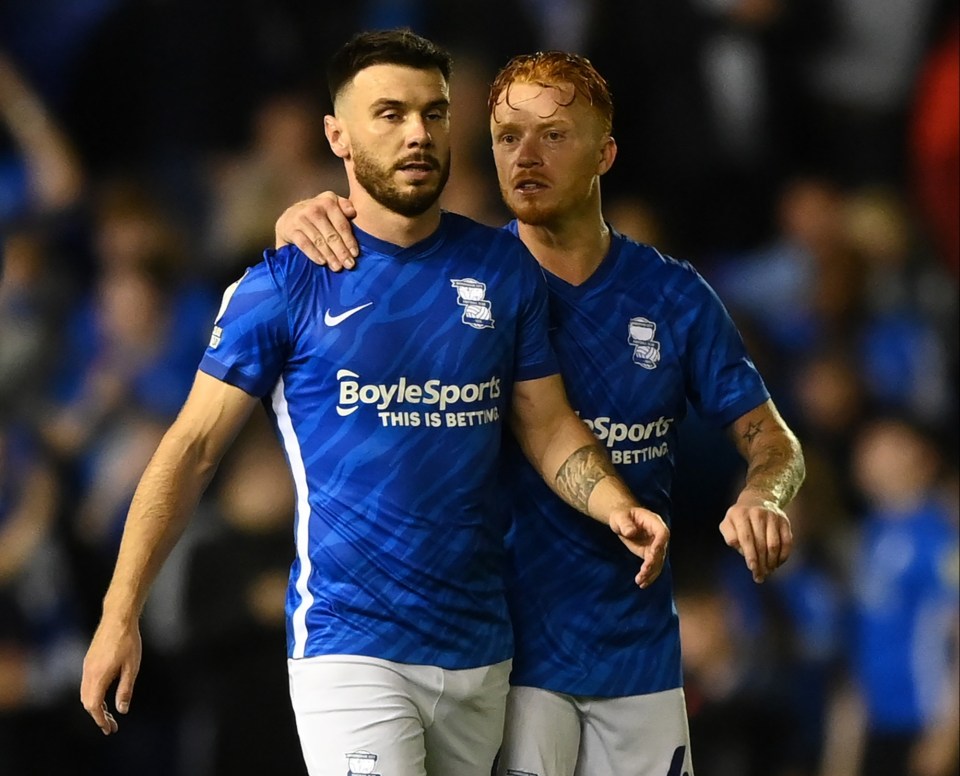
(343, 239)
(653, 561)
(96, 707)
(128, 676)
(111, 723)
(786, 540)
(748, 547)
(624, 525)
(330, 258)
(774, 545)
(729, 533)
(309, 247)
(758, 527)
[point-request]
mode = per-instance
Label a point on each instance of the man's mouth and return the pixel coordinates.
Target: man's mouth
(529, 185)
(419, 165)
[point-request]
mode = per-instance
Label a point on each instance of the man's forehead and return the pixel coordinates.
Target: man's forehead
(516, 93)
(387, 80)
(542, 101)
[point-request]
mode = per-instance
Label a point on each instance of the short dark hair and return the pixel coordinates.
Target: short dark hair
(399, 46)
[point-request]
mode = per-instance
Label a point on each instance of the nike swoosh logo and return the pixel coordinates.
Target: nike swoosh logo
(335, 320)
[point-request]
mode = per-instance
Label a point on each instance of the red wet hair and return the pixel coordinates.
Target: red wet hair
(552, 68)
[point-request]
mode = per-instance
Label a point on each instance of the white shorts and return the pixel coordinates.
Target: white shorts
(551, 734)
(364, 715)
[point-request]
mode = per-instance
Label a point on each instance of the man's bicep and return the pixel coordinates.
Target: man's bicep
(212, 416)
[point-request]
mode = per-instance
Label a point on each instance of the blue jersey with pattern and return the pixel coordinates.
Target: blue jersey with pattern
(640, 337)
(389, 387)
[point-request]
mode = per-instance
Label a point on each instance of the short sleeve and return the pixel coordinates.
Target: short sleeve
(722, 381)
(251, 335)
(534, 354)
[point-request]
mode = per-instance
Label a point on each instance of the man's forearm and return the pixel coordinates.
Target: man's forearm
(777, 470)
(578, 470)
(588, 481)
(775, 466)
(162, 506)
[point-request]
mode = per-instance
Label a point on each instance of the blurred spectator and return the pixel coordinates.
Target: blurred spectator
(32, 297)
(861, 87)
(41, 641)
(830, 401)
(738, 722)
(908, 334)
(284, 162)
(809, 599)
(138, 370)
(905, 619)
(802, 288)
(39, 170)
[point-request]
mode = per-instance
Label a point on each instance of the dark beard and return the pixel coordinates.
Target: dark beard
(378, 182)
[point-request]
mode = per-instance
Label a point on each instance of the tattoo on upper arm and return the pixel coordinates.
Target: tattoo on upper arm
(580, 473)
(753, 429)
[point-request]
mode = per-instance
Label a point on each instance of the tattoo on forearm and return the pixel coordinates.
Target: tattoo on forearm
(753, 429)
(778, 471)
(580, 473)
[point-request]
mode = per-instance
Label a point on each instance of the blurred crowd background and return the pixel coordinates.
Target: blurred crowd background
(803, 154)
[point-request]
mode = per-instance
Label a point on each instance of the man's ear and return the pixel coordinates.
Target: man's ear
(608, 152)
(336, 136)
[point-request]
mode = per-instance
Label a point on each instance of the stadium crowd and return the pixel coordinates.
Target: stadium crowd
(804, 155)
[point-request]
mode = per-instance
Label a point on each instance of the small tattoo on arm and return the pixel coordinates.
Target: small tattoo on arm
(753, 430)
(579, 475)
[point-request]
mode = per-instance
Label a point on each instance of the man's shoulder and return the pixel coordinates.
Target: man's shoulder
(286, 259)
(652, 258)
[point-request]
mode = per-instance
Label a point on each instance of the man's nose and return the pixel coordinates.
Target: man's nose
(418, 134)
(528, 154)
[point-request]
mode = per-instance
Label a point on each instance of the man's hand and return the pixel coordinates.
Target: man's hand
(320, 227)
(760, 531)
(646, 535)
(115, 651)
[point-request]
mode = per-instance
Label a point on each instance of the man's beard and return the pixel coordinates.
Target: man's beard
(378, 181)
(528, 212)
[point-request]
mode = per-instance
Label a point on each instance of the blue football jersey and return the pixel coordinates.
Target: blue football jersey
(640, 337)
(389, 387)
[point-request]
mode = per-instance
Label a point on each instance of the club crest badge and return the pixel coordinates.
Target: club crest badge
(471, 296)
(640, 336)
(361, 762)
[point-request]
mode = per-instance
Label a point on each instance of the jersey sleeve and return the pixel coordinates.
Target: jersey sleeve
(251, 334)
(722, 381)
(534, 354)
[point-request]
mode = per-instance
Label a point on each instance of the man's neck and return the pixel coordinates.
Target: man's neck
(571, 249)
(389, 226)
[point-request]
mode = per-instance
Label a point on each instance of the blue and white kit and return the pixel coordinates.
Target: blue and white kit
(389, 388)
(642, 336)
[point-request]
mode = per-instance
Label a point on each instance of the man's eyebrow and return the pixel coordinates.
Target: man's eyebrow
(540, 126)
(384, 102)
